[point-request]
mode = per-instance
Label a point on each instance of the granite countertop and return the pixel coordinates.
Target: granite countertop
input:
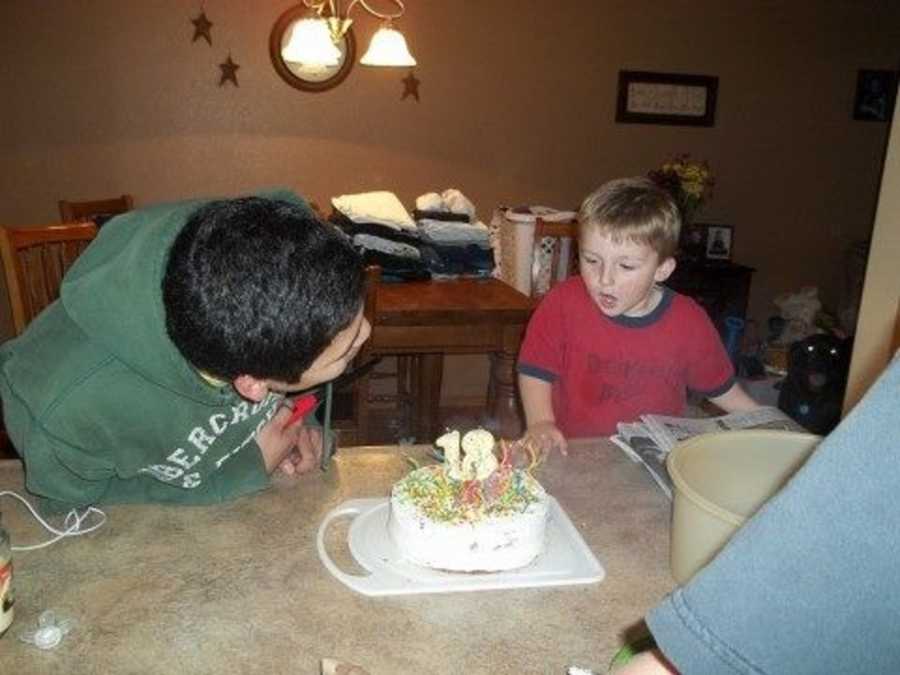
(239, 587)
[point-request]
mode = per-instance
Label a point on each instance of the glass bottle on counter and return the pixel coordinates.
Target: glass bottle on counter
(7, 595)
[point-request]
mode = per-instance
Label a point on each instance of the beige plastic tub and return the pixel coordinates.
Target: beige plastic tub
(720, 481)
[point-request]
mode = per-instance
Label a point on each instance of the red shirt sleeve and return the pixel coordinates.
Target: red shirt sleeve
(543, 348)
(709, 370)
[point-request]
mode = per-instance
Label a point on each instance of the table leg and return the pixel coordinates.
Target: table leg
(427, 409)
(503, 404)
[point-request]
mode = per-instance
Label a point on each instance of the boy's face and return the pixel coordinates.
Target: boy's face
(620, 277)
(334, 360)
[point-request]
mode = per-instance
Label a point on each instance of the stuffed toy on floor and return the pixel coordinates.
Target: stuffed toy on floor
(813, 390)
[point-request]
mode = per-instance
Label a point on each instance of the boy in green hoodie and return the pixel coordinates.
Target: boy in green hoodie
(161, 372)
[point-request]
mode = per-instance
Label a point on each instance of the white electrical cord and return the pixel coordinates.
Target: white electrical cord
(74, 523)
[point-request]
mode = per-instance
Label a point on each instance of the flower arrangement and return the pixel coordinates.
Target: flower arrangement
(689, 182)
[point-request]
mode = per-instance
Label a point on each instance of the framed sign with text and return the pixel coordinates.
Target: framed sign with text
(666, 98)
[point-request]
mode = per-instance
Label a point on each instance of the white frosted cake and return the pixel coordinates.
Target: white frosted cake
(473, 513)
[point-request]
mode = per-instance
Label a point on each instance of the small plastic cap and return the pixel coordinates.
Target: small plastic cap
(50, 631)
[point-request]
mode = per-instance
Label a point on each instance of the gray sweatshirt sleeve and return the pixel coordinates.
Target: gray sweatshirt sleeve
(811, 584)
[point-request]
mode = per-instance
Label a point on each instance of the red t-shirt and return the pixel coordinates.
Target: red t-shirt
(609, 370)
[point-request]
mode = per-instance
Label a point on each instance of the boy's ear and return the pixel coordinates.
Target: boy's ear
(664, 270)
(251, 388)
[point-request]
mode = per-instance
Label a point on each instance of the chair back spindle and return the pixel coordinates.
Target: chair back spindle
(35, 260)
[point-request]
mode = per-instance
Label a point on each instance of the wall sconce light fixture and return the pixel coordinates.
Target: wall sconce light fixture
(312, 45)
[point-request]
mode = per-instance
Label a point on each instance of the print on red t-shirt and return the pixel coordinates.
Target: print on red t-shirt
(609, 370)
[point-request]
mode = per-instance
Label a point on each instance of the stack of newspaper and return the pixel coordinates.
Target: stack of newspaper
(650, 440)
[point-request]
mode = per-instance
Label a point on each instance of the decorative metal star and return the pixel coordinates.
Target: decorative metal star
(201, 28)
(229, 72)
(410, 86)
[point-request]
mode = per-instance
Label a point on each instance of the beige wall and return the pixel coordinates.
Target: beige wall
(102, 97)
(879, 318)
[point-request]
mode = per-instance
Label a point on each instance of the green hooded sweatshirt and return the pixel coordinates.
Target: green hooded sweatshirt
(101, 404)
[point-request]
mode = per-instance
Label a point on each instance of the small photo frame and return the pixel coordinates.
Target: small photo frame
(692, 244)
(719, 242)
(875, 92)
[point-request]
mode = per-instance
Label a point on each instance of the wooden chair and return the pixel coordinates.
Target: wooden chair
(555, 254)
(369, 398)
(34, 262)
(98, 210)
(554, 257)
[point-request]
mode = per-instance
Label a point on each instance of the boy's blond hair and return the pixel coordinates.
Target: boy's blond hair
(634, 209)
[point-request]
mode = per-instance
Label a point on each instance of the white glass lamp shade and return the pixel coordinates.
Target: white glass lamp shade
(388, 48)
(310, 44)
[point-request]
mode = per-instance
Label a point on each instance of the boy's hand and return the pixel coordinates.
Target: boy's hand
(547, 437)
(274, 441)
(306, 453)
(295, 449)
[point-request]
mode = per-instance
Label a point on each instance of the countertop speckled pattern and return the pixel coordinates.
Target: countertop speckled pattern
(239, 588)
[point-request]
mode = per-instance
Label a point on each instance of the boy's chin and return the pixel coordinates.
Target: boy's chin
(308, 381)
(290, 387)
(611, 310)
(611, 313)
(632, 312)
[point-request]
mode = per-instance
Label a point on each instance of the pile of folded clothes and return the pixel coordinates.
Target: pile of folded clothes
(383, 231)
(452, 241)
(445, 239)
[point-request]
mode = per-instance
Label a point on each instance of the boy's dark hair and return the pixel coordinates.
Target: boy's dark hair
(259, 287)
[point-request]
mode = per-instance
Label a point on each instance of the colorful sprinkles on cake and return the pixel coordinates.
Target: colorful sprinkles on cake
(472, 485)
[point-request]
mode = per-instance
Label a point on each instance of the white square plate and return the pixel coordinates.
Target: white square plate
(567, 559)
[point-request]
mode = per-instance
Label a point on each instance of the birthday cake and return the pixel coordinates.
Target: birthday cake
(473, 513)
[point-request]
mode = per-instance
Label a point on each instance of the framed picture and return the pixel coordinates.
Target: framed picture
(666, 98)
(875, 92)
(692, 243)
(719, 241)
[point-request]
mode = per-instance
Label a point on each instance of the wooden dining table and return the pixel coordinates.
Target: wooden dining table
(434, 318)
(239, 587)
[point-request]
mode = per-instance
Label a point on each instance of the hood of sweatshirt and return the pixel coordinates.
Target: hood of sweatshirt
(113, 292)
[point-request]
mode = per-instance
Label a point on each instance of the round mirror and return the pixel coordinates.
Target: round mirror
(308, 78)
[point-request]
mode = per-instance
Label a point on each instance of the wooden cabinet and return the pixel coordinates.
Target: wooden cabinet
(722, 289)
